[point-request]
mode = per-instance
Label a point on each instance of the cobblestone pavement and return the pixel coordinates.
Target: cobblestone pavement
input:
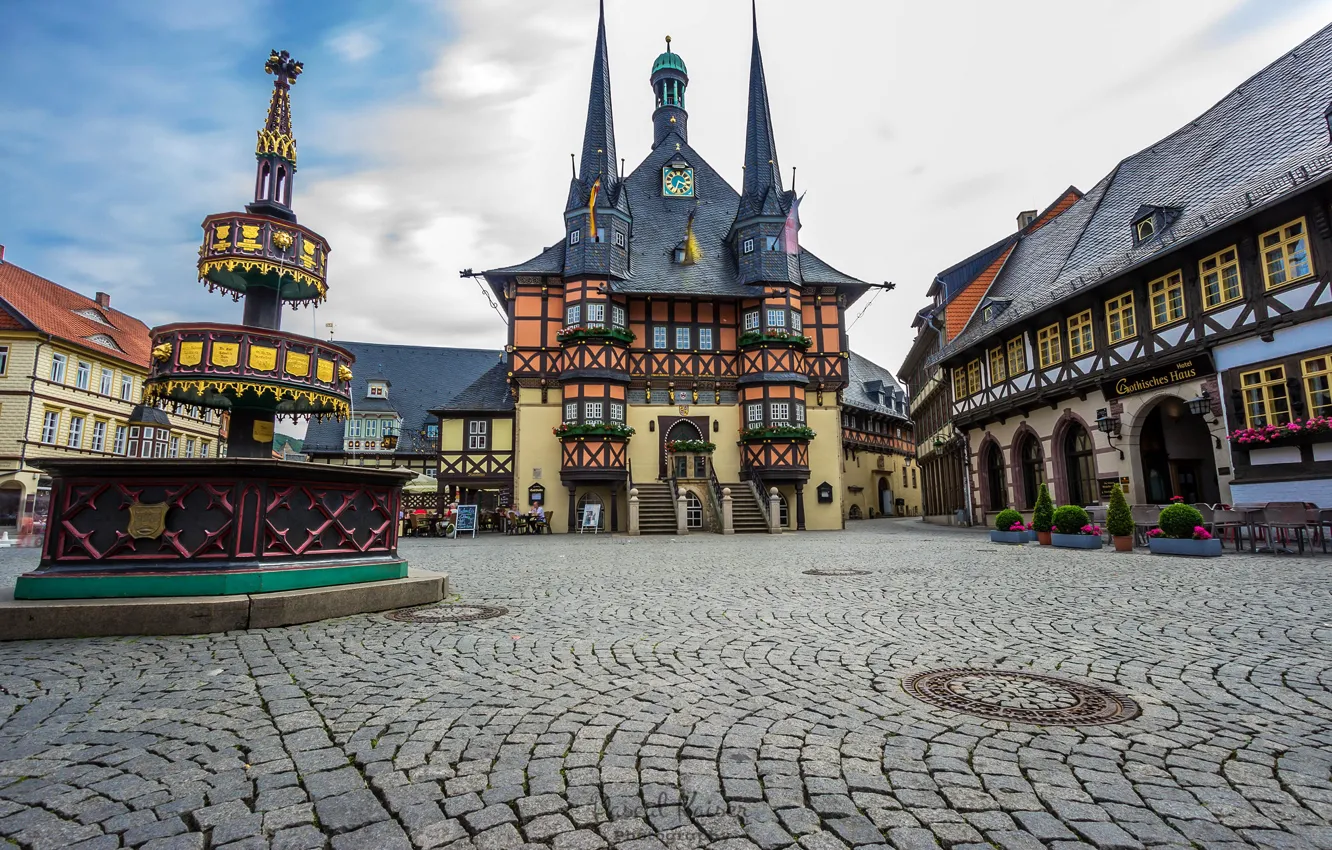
(702, 692)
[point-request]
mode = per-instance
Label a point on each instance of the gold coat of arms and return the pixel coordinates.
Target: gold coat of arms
(147, 521)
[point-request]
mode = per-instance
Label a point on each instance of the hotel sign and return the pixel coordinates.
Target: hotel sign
(1161, 376)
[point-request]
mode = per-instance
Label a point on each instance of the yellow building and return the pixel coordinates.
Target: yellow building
(71, 375)
(879, 470)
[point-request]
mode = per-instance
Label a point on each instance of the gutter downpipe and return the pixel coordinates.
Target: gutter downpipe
(966, 444)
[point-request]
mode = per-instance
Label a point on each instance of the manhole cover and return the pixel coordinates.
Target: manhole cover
(836, 572)
(447, 613)
(1024, 697)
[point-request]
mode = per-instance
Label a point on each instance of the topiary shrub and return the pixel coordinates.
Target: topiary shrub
(1118, 517)
(1069, 519)
(1006, 518)
(1043, 516)
(1178, 521)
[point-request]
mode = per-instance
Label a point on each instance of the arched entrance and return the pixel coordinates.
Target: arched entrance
(1079, 465)
(885, 497)
(1175, 449)
(996, 489)
(11, 503)
(1031, 470)
(680, 429)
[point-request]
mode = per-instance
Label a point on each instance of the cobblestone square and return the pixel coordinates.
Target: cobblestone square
(703, 692)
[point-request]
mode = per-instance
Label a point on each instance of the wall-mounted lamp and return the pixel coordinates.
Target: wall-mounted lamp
(1202, 406)
(1109, 426)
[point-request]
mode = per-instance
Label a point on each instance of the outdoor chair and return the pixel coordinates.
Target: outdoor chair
(1286, 517)
(1228, 522)
(540, 525)
(1144, 519)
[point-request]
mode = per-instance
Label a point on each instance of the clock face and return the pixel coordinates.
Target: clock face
(677, 182)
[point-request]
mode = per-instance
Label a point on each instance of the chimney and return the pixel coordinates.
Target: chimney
(2, 255)
(1025, 218)
(103, 300)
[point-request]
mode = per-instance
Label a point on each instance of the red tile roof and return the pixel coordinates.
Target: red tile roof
(959, 310)
(35, 303)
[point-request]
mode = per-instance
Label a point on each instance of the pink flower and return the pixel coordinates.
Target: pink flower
(1155, 532)
(1200, 533)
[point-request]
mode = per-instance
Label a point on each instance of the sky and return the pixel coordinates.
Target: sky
(435, 135)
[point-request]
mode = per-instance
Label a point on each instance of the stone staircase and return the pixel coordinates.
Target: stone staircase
(748, 517)
(656, 508)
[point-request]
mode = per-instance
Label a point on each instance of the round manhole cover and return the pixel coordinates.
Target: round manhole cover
(447, 613)
(1024, 697)
(836, 572)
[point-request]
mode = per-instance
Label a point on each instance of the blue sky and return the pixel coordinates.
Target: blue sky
(435, 135)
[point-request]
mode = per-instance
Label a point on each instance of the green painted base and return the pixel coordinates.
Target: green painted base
(118, 585)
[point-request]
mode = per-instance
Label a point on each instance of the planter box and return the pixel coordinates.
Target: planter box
(1076, 541)
(1196, 548)
(1018, 537)
(1031, 535)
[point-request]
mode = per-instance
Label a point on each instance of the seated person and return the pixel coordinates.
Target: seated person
(538, 512)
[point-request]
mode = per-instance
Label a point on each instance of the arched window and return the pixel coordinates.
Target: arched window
(853, 512)
(995, 490)
(1079, 465)
(265, 181)
(1033, 470)
(783, 513)
(281, 184)
(693, 510)
(591, 499)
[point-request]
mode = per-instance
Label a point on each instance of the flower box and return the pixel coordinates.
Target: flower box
(611, 429)
(777, 432)
(796, 340)
(1076, 541)
(1175, 546)
(1018, 537)
(572, 333)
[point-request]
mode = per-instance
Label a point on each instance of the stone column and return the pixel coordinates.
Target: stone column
(615, 509)
(800, 507)
(681, 518)
(573, 508)
(774, 511)
(728, 521)
(633, 512)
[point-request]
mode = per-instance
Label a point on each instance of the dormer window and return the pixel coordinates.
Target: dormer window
(1151, 222)
(1145, 229)
(377, 389)
(987, 315)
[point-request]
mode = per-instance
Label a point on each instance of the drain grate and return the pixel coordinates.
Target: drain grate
(1024, 697)
(447, 613)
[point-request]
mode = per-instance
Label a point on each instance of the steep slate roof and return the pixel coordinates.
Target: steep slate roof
(421, 377)
(34, 303)
(1263, 141)
(866, 377)
(762, 192)
(490, 392)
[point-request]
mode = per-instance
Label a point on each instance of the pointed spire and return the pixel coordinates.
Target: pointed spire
(762, 171)
(598, 158)
(276, 137)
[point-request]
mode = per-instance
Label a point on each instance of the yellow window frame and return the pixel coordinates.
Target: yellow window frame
(973, 377)
(1017, 356)
(1317, 373)
(1047, 345)
(998, 370)
(1279, 247)
(1219, 270)
(960, 382)
(1166, 295)
(1080, 339)
(1120, 321)
(1265, 399)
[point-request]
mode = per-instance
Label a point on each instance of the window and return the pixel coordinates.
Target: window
(189, 447)
(1220, 276)
(1119, 323)
(572, 315)
(592, 412)
(705, 339)
(747, 247)
(752, 320)
(571, 411)
(1167, 297)
(1318, 385)
(203, 448)
(772, 243)
(108, 377)
(682, 337)
(377, 389)
(1145, 229)
(693, 511)
(618, 239)
(616, 412)
(1285, 254)
(575, 236)
(75, 440)
(1047, 345)
(126, 387)
(617, 316)
(973, 377)
(50, 425)
(99, 437)
(776, 317)
(659, 337)
(83, 375)
(799, 410)
(596, 315)
(781, 411)
(119, 447)
(997, 371)
(754, 415)
(354, 428)
(913, 478)
(959, 383)
(372, 429)
(987, 314)
(58, 368)
(147, 434)
(175, 447)
(432, 431)
(4, 359)
(1265, 401)
(1080, 334)
(796, 321)
(476, 434)
(1017, 356)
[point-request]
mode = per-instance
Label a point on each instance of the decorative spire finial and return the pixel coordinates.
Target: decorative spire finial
(276, 137)
(668, 44)
(283, 67)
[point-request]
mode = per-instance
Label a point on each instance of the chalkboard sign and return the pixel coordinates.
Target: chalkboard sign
(591, 518)
(466, 520)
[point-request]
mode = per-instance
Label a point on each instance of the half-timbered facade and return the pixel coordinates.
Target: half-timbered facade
(476, 442)
(1184, 297)
(673, 308)
(879, 470)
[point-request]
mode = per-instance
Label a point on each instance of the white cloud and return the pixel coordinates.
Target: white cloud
(354, 45)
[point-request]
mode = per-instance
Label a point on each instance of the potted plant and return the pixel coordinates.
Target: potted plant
(1008, 528)
(1042, 519)
(1180, 532)
(1073, 529)
(1119, 520)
